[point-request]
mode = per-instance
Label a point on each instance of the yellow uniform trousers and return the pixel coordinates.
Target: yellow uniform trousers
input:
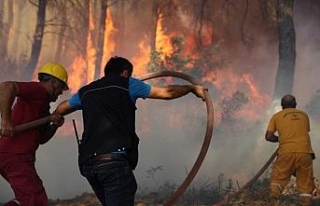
(298, 164)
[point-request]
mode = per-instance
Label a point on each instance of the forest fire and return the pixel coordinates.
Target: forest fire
(83, 68)
(141, 60)
(228, 46)
(76, 71)
(109, 43)
(163, 40)
(225, 81)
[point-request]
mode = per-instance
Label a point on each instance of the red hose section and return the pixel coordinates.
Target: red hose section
(250, 182)
(206, 142)
(31, 125)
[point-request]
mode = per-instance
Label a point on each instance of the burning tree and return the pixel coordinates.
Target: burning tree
(174, 61)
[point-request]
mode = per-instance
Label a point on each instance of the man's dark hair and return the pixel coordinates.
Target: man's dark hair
(116, 65)
(44, 77)
(288, 101)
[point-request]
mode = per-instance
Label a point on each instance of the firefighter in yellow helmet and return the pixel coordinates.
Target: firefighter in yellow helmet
(23, 102)
(56, 72)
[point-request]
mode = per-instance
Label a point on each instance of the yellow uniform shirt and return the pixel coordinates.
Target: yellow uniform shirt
(293, 129)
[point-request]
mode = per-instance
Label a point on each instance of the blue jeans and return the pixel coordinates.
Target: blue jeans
(112, 181)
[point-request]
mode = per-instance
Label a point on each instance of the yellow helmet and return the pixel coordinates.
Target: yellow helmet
(56, 70)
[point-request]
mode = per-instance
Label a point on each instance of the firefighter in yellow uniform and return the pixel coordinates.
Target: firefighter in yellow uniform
(295, 152)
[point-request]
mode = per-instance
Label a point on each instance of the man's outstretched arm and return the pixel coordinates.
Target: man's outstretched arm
(175, 91)
(64, 108)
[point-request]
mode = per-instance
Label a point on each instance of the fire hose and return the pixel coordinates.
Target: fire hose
(31, 125)
(181, 189)
(206, 142)
(249, 183)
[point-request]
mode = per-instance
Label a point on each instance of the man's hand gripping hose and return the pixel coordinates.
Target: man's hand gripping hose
(31, 125)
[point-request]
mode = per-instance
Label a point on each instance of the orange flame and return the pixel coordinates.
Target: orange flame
(77, 70)
(225, 80)
(163, 40)
(91, 50)
(109, 44)
(228, 82)
(141, 60)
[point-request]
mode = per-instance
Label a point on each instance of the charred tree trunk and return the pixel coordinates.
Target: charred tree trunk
(100, 41)
(287, 52)
(199, 21)
(37, 39)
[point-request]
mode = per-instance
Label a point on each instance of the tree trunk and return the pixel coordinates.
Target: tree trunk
(120, 25)
(287, 53)
(3, 32)
(37, 39)
(85, 30)
(155, 19)
(101, 34)
(15, 10)
(1, 14)
(60, 52)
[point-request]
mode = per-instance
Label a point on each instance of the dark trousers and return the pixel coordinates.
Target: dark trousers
(112, 181)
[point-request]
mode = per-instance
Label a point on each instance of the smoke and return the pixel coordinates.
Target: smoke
(308, 55)
(172, 132)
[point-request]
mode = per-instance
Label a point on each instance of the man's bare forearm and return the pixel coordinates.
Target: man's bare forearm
(8, 92)
(176, 91)
(64, 108)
